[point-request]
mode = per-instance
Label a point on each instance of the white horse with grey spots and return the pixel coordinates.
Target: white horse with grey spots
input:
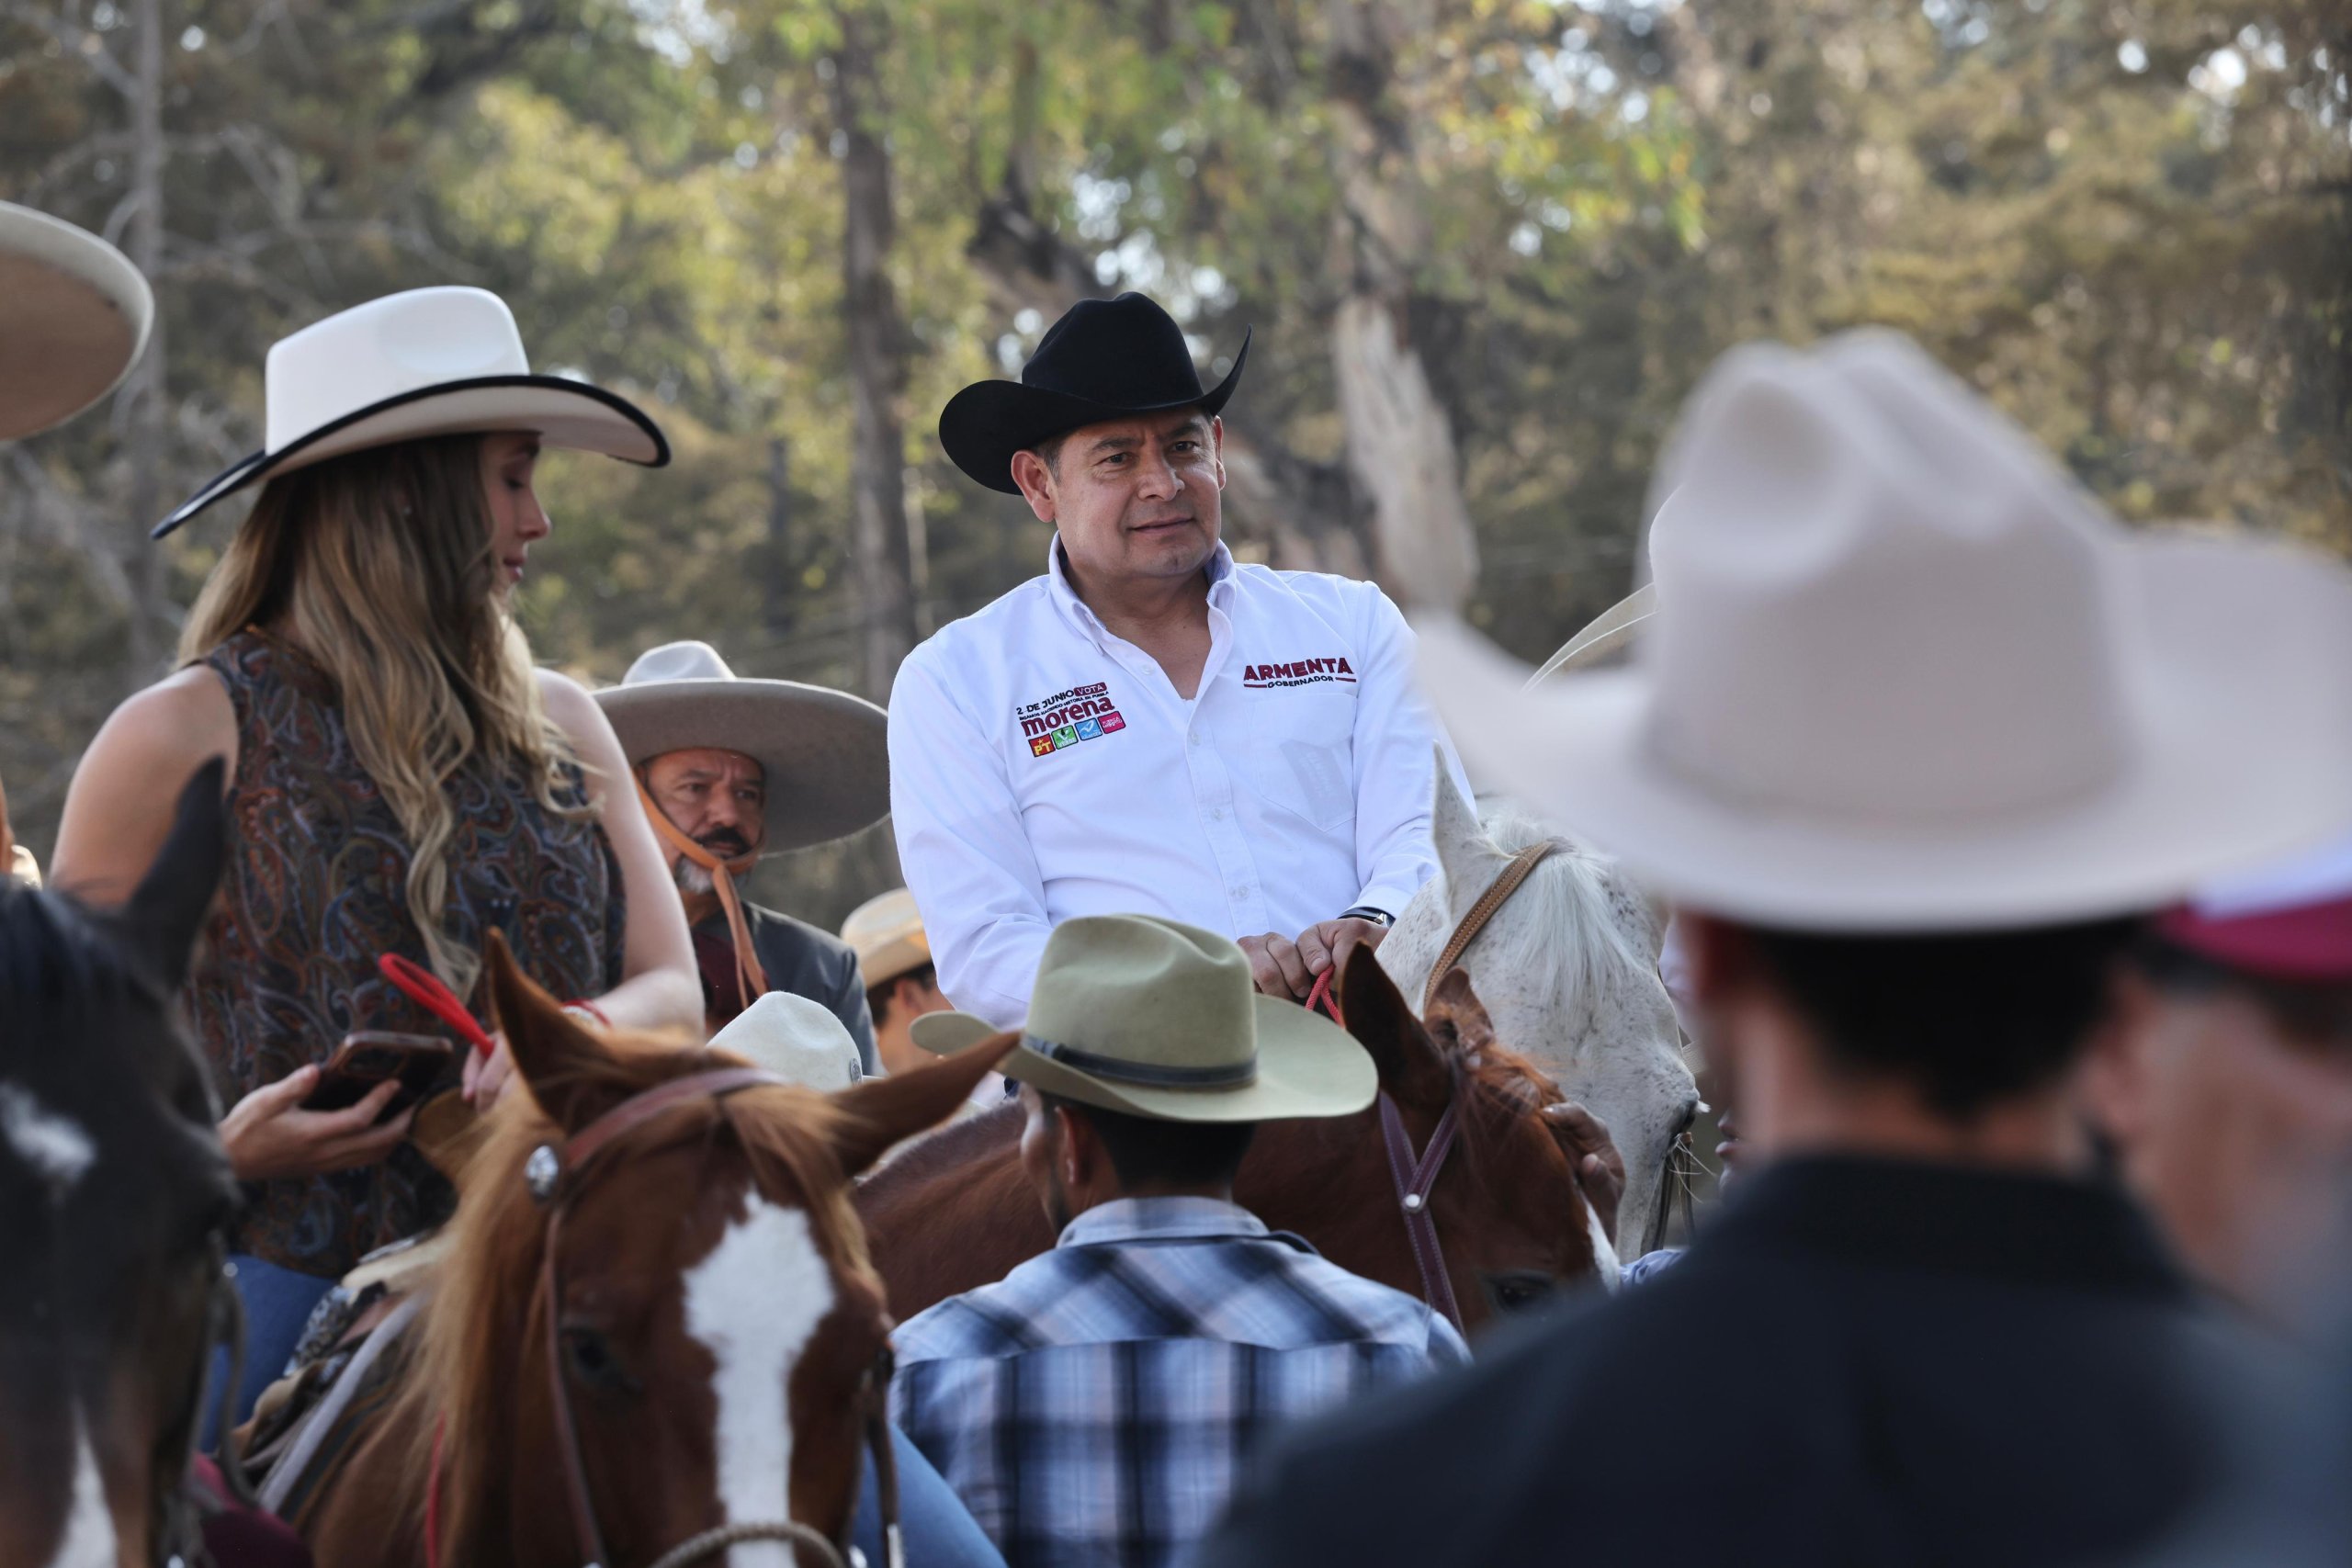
(1568, 969)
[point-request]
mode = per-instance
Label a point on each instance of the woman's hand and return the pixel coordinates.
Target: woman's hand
(486, 1077)
(268, 1133)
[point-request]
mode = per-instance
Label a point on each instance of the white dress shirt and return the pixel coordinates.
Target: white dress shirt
(1042, 768)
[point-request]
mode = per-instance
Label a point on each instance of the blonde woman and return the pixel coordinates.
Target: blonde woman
(401, 779)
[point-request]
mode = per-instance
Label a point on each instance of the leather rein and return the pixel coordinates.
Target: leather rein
(555, 1173)
(1415, 1173)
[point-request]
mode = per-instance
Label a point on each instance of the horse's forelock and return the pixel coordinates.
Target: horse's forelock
(1574, 892)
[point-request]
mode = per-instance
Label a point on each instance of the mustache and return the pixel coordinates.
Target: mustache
(726, 843)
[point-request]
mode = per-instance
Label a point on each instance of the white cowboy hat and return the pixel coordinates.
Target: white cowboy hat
(1158, 1019)
(795, 1038)
(826, 753)
(428, 362)
(1905, 675)
(886, 934)
(74, 316)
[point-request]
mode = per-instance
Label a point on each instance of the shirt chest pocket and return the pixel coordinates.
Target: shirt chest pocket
(1293, 749)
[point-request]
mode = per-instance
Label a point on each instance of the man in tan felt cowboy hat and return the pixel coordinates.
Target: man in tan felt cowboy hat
(1150, 725)
(74, 316)
(732, 769)
(1915, 738)
(1095, 1406)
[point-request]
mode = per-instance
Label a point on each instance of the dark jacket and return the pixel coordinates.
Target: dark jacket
(800, 958)
(1858, 1363)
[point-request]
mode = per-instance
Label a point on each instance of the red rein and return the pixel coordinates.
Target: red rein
(426, 990)
(1320, 999)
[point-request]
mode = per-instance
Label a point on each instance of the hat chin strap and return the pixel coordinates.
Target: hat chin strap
(723, 873)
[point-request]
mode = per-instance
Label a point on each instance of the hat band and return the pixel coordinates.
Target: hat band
(1146, 1075)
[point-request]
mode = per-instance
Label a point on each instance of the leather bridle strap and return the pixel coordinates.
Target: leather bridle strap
(1497, 895)
(749, 977)
(555, 1173)
(1415, 1175)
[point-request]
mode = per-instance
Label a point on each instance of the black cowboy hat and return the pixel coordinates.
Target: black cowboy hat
(1107, 359)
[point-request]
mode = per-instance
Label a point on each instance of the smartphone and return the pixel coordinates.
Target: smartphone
(368, 1056)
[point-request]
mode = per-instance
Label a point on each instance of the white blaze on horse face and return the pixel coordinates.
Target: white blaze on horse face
(753, 1303)
(88, 1539)
(57, 1147)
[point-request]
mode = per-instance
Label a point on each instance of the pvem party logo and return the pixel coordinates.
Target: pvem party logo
(1062, 720)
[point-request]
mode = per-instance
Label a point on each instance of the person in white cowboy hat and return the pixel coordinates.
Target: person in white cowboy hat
(401, 780)
(797, 1039)
(1095, 1406)
(732, 769)
(1915, 738)
(1150, 724)
(74, 316)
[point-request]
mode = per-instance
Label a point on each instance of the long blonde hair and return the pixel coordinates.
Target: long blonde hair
(379, 566)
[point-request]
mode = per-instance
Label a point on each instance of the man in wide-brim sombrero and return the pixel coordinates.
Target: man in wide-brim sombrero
(1915, 740)
(1168, 1325)
(732, 769)
(1150, 724)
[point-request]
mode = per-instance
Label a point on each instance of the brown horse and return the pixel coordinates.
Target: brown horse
(955, 1212)
(717, 1314)
(114, 1198)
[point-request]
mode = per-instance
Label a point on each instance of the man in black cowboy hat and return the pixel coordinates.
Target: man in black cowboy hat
(1150, 727)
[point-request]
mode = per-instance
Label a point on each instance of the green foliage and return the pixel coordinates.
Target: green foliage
(2126, 222)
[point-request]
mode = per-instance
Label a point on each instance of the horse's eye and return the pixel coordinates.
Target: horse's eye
(1518, 1291)
(592, 1360)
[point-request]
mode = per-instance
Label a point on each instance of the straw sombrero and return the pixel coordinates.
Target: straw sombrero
(1905, 675)
(826, 753)
(1155, 1018)
(886, 934)
(74, 318)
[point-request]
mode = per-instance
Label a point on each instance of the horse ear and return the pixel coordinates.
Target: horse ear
(159, 927)
(1457, 1019)
(1464, 850)
(557, 1055)
(1412, 1069)
(879, 1113)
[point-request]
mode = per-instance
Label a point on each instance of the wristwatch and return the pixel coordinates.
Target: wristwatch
(1366, 912)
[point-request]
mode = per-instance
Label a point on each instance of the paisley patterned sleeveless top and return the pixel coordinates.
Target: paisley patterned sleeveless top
(315, 889)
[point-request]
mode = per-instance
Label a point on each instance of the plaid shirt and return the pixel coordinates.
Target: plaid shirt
(1096, 1405)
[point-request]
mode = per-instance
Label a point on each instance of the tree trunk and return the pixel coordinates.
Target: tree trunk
(878, 356)
(781, 587)
(150, 615)
(1400, 439)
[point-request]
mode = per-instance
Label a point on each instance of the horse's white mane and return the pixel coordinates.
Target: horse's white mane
(1569, 892)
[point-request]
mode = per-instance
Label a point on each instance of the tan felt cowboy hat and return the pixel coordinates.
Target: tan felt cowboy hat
(1603, 635)
(74, 315)
(1135, 1013)
(796, 1038)
(887, 936)
(427, 362)
(826, 753)
(1905, 675)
